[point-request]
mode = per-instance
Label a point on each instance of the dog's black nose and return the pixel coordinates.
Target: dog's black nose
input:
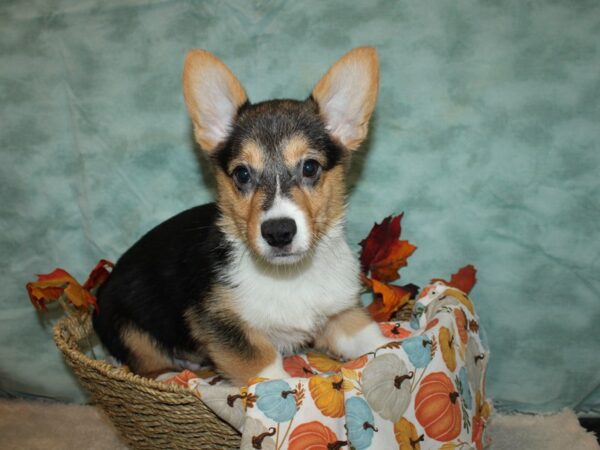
(278, 232)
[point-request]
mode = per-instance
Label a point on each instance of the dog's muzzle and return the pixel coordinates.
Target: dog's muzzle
(278, 232)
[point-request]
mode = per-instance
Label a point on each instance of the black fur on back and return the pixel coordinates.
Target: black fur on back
(167, 271)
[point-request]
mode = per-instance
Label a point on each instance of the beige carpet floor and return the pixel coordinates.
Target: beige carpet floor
(26, 425)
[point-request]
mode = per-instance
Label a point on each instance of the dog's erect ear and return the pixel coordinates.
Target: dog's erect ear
(346, 95)
(213, 95)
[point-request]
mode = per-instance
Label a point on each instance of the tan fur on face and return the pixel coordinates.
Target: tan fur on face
(324, 204)
(150, 361)
(250, 155)
(297, 149)
(347, 323)
(241, 212)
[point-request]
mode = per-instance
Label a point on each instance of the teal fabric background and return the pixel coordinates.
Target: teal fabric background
(486, 135)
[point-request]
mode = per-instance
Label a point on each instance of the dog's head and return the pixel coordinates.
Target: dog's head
(280, 164)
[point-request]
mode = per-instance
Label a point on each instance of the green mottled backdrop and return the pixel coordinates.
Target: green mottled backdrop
(486, 135)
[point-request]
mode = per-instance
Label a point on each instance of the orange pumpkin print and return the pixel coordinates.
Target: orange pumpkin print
(393, 330)
(431, 324)
(437, 407)
(296, 366)
(407, 436)
(461, 324)
(448, 446)
(324, 363)
(447, 347)
(314, 436)
(461, 297)
(328, 394)
(482, 413)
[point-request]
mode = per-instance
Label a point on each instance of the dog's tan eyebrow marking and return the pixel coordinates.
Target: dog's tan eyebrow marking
(296, 148)
(251, 154)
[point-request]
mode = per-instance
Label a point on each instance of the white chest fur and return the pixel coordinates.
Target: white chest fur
(290, 303)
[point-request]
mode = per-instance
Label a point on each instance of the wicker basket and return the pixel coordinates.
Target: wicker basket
(147, 413)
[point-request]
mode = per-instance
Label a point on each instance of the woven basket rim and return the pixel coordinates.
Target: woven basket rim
(65, 324)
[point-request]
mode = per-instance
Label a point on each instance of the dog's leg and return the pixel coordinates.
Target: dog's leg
(257, 358)
(144, 355)
(350, 334)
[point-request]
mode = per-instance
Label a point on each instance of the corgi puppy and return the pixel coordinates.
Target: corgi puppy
(266, 270)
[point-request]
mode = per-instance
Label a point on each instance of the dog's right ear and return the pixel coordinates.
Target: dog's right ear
(213, 96)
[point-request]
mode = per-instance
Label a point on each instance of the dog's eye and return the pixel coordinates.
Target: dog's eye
(241, 175)
(310, 168)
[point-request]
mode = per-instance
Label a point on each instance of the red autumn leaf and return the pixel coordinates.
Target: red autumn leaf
(98, 275)
(380, 236)
(388, 299)
(463, 280)
(383, 254)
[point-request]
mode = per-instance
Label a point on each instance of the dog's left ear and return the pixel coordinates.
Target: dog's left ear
(213, 96)
(346, 95)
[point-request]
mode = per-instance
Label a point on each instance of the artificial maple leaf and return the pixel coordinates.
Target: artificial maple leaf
(98, 275)
(380, 236)
(383, 254)
(386, 269)
(388, 299)
(463, 280)
(51, 286)
(38, 294)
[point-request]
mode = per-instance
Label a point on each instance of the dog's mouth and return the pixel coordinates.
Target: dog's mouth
(283, 257)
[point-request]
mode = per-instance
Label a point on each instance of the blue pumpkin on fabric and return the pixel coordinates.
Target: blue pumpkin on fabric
(276, 400)
(359, 423)
(465, 389)
(416, 315)
(418, 349)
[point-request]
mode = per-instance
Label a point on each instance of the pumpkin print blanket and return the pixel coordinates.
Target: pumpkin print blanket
(424, 391)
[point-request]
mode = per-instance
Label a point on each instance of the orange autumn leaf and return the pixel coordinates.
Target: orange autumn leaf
(388, 299)
(387, 268)
(40, 294)
(464, 279)
(383, 253)
(50, 287)
(58, 283)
